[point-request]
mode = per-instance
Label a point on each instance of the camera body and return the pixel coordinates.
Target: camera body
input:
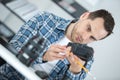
(82, 51)
(30, 51)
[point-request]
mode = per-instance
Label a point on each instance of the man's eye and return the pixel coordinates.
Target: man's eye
(89, 28)
(92, 38)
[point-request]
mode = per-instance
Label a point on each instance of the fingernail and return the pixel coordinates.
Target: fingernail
(72, 58)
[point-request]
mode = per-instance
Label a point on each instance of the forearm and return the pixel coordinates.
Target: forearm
(78, 76)
(72, 76)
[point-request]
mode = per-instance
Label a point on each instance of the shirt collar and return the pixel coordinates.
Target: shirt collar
(63, 24)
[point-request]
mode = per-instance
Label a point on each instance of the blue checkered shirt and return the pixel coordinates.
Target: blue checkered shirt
(52, 28)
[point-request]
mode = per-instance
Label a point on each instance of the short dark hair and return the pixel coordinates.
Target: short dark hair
(108, 19)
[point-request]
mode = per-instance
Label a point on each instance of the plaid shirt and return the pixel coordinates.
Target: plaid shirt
(52, 28)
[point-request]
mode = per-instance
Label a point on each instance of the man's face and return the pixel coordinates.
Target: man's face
(87, 30)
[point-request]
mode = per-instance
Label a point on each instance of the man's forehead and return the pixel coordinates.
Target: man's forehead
(98, 29)
(100, 34)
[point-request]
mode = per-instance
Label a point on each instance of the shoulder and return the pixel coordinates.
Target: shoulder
(48, 15)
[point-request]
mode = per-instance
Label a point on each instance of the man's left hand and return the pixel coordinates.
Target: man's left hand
(74, 67)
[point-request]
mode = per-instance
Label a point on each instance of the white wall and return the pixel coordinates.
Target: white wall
(107, 53)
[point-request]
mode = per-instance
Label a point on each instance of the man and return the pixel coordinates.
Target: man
(91, 26)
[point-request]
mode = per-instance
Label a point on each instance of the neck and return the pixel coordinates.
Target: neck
(69, 31)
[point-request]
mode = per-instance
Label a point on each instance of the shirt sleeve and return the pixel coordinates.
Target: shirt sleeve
(81, 75)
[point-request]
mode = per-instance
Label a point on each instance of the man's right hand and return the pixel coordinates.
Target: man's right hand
(53, 53)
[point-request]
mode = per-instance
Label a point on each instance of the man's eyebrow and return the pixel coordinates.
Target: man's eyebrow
(92, 36)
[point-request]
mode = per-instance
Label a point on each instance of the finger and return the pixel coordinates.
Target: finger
(71, 58)
(68, 51)
(56, 58)
(78, 59)
(59, 56)
(60, 46)
(56, 49)
(62, 53)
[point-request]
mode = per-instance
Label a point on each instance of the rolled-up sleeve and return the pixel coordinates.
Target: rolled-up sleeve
(81, 75)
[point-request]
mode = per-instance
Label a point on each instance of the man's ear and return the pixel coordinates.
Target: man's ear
(84, 15)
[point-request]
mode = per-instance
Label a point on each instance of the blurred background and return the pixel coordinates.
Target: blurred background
(14, 13)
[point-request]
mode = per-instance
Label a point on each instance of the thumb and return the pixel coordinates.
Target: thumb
(68, 50)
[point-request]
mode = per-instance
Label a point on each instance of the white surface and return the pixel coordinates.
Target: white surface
(16, 4)
(48, 5)
(47, 67)
(92, 2)
(23, 8)
(3, 11)
(13, 61)
(10, 19)
(13, 22)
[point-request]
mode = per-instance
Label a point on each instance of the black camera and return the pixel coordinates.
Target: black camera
(30, 51)
(84, 52)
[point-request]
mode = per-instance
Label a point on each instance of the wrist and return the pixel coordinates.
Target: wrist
(74, 71)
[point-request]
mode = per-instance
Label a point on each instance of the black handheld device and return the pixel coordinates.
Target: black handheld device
(84, 52)
(30, 51)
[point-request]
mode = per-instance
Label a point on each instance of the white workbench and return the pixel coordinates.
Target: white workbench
(14, 62)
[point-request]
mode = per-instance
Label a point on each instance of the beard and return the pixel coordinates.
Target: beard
(73, 33)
